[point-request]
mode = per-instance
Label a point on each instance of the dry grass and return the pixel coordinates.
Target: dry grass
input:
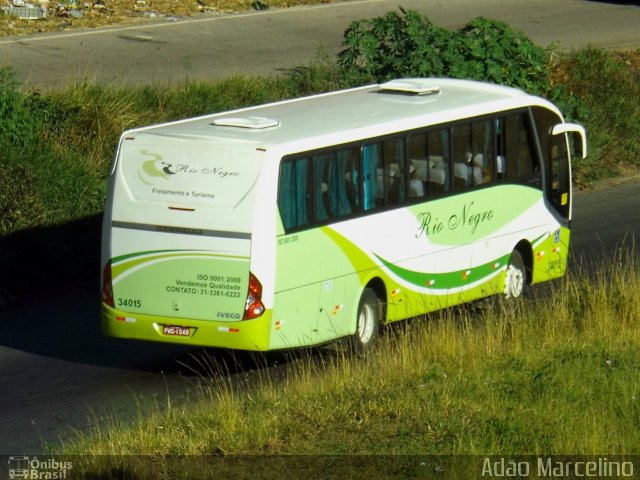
(558, 376)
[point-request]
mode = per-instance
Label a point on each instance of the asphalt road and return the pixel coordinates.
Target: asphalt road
(58, 374)
(210, 46)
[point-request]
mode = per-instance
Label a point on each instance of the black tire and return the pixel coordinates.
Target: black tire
(369, 319)
(516, 276)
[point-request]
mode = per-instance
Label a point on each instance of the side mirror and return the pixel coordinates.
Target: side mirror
(577, 131)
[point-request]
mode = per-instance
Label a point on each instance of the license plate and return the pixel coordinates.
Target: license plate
(176, 331)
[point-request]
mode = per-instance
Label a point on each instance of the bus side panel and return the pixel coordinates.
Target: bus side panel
(311, 303)
(447, 251)
(295, 317)
(431, 256)
(550, 255)
(407, 292)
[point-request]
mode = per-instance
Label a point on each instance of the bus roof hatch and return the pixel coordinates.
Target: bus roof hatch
(417, 86)
(253, 123)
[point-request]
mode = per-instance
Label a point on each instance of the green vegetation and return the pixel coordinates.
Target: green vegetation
(56, 146)
(554, 376)
(602, 89)
(407, 44)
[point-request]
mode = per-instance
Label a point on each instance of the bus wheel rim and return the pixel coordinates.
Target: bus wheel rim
(365, 323)
(515, 282)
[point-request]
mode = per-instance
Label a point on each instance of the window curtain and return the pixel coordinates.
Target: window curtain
(370, 160)
(293, 193)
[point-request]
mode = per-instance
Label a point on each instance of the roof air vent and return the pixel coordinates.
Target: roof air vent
(414, 86)
(252, 123)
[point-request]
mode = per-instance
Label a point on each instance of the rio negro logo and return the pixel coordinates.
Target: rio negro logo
(468, 218)
(154, 168)
(157, 168)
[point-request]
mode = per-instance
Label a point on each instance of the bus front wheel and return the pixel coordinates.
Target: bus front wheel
(516, 276)
(368, 322)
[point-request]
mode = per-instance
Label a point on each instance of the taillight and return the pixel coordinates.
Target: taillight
(253, 307)
(107, 288)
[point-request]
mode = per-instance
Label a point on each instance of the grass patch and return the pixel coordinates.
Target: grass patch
(602, 89)
(558, 376)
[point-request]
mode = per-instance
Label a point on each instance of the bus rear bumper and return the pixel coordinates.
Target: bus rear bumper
(241, 335)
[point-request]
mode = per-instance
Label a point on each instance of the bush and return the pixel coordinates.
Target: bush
(608, 88)
(397, 45)
(492, 51)
(20, 206)
(17, 126)
(407, 44)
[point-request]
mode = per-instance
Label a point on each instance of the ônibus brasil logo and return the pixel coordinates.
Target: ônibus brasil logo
(36, 468)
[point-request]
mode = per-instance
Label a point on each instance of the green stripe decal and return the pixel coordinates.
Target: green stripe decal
(124, 263)
(141, 254)
(540, 239)
(360, 261)
(448, 280)
(435, 281)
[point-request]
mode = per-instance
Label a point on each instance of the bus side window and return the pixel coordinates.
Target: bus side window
(501, 149)
(437, 161)
(293, 193)
(335, 184)
(384, 173)
(321, 184)
(462, 156)
(394, 161)
(482, 148)
(418, 165)
(519, 152)
(473, 147)
(429, 159)
(350, 162)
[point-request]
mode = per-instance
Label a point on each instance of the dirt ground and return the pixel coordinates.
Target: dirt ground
(631, 58)
(71, 14)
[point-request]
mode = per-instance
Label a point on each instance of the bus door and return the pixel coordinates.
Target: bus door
(557, 141)
(558, 174)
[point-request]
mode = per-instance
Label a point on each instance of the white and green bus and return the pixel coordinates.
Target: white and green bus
(304, 221)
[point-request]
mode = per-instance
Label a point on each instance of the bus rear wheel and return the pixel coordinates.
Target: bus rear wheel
(369, 318)
(516, 276)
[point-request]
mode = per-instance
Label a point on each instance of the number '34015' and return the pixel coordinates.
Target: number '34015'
(129, 302)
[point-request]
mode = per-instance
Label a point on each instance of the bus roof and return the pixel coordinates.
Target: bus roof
(348, 115)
